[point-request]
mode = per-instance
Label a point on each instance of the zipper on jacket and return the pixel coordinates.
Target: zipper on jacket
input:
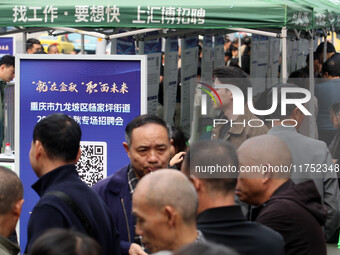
(126, 220)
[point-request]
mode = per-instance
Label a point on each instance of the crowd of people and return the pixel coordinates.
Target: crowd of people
(160, 203)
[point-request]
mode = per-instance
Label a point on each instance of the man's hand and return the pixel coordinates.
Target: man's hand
(136, 249)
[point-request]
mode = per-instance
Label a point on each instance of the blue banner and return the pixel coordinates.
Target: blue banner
(103, 96)
(6, 46)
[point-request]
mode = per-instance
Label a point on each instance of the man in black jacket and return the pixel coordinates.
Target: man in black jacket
(219, 219)
(293, 210)
(53, 155)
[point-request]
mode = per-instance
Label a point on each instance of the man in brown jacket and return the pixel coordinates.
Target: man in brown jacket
(235, 128)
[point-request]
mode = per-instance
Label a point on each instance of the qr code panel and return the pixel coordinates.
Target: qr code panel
(91, 166)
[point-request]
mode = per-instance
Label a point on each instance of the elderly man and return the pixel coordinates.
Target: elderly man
(293, 210)
(307, 153)
(52, 49)
(11, 200)
(219, 219)
(148, 147)
(65, 201)
(165, 205)
(234, 130)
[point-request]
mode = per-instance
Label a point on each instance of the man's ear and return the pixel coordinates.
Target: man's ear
(17, 207)
(196, 182)
(171, 141)
(170, 215)
(298, 115)
(294, 114)
(39, 149)
(267, 175)
(78, 155)
(127, 149)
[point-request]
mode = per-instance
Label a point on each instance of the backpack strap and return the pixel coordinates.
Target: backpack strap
(76, 210)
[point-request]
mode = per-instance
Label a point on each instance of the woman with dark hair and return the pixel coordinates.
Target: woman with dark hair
(178, 147)
(60, 241)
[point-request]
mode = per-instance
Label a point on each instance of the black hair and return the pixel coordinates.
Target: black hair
(233, 48)
(235, 41)
(235, 76)
(11, 189)
(179, 139)
(316, 56)
(246, 40)
(7, 60)
(141, 121)
(331, 66)
(330, 48)
(208, 153)
(30, 42)
(300, 78)
(65, 241)
(60, 136)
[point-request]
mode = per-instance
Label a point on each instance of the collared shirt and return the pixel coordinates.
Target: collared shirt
(7, 247)
(132, 180)
(200, 237)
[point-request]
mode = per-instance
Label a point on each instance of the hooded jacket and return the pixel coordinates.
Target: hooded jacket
(297, 213)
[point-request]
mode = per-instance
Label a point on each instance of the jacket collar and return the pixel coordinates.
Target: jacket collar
(9, 246)
(119, 180)
(54, 177)
(224, 213)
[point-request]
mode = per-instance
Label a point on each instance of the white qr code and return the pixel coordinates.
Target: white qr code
(92, 165)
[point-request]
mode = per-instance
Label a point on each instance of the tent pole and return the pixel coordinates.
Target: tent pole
(325, 48)
(73, 30)
(82, 38)
(284, 55)
(135, 32)
(311, 86)
(24, 41)
(253, 31)
(239, 50)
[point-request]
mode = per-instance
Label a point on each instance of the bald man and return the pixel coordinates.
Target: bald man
(165, 204)
(307, 155)
(293, 210)
(11, 200)
(52, 49)
(219, 219)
